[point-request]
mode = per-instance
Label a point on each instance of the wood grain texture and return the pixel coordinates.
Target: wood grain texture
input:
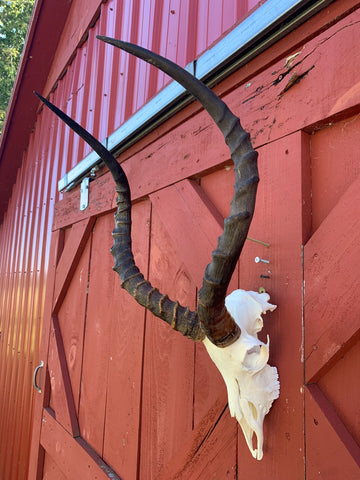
(98, 321)
(73, 456)
(330, 177)
(69, 258)
(194, 441)
(214, 458)
(192, 224)
(36, 452)
(72, 316)
(279, 221)
(126, 344)
(331, 452)
(51, 470)
(195, 146)
(331, 271)
(341, 387)
(62, 398)
(167, 397)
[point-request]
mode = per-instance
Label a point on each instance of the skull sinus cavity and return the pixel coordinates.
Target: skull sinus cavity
(252, 385)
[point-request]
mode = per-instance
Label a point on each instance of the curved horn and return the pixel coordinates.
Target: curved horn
(180, 318)
(216, 322)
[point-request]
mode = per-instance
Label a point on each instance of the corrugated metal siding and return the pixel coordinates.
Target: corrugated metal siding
(101, 98)
(25, 237)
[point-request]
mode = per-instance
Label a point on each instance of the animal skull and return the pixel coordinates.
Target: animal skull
(252, 385)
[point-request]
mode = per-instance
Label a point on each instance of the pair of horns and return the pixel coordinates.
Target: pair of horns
(211, 317)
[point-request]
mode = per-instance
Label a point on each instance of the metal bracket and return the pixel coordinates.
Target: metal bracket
(84, 193)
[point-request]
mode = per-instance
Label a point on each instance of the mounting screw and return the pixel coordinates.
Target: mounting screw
(258, 260)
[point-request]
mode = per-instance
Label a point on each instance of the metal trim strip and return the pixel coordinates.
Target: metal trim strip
(264, 26)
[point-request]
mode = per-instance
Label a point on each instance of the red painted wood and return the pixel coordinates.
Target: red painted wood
(192, 223)
(51, 470)
(71, 316)
(36, 451)
(196, 146)
(126, 343)
(62, 399)
(331, 177)
(194, 441)
(331, 452)
(98, 321)
(278, 220)
(341, 387)
(215, 457)
(69, 259)
(73, 456)
(168, 413)
(168, 368)
(331, 271)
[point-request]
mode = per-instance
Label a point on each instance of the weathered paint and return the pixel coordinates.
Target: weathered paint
(211, 446)
(167, 158)
(88, 94)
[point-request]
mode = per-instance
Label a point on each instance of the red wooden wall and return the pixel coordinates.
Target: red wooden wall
(132, 398)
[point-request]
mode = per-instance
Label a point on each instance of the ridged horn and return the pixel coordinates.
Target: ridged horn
(216, 322)
(180, 318)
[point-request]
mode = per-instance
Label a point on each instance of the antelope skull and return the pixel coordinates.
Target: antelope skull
(227, 326)
(252, 385)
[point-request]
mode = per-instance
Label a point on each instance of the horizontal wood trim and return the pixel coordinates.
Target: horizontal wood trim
(331, 276)
(74, 457)
(196, 147)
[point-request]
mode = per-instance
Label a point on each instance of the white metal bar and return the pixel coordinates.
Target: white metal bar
(258, 27)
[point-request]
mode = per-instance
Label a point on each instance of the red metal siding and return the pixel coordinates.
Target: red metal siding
(25, 236)
(108, 85)
(178, 30)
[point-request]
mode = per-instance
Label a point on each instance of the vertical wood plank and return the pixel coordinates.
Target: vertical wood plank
(71, 317)
(126, 344)
(167, 400)
(36, 458)
(194, 224)
(278, 220)
(97, 336)
(331, 178)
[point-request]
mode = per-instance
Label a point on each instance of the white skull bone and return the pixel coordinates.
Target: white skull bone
(252, 385)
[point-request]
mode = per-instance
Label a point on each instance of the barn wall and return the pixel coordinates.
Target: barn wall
(87, 93)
